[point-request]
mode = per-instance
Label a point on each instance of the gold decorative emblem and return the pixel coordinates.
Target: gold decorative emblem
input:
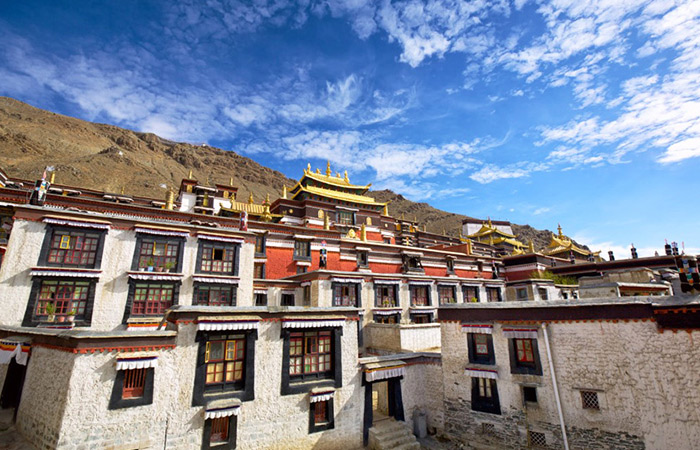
(320, 214)
(369, 221)
(351, 234)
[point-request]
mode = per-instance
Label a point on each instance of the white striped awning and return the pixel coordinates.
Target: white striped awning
(303, 263)
(422, 309)
(14, 348)
(303, 237)
(482, 373)
(317, 323)
(226, 325)
(76, 223)
(320, 395)
(447, 283)
(215, 280)
(64, 273)
(477, 328)
(287, 291)
(378, 281)
(420, 283)
(157, 276)
(494, 285)
(259, 291)
(211, 237)
(161, 232)
(346, 280)
(306, 283)
(223, 412)
(520, 333)
(386, 312)
(383, 371)
(134, 361)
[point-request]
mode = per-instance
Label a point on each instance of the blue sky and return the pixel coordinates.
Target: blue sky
(579, 112)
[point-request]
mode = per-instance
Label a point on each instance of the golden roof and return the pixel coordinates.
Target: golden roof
(344, 196)
(487, 229)
(561, 243)
(329, 178)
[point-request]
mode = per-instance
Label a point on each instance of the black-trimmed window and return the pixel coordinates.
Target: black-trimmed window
(302, 250)
(542, 292)
(470, 294)
(387, 318)
(220, 433)
(215, 294)
(260, 298)
(485, 396)
(481, 348)
(362, 259)
(311, 358)
(321, 416)
(287, 299)
(133, 387)
(386, 296)
(307, 296)
(521, 294)
(412, 263)
(259, 271)
(422, 317)
(420, 295)
(529, 395)
(346, 217)
(68, 247)
(152, 299)
(69, 299)
(260, 245)
(524, 357)
(346, 294)
(493, 294)
(161, 253)
(446, 294)
(217, 258)
(225, 366)
(450, 265)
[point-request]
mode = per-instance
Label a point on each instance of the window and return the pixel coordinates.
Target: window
(529, 394)
(259, 271)
(158, 253)
(214, 295)
(450, 265)
(64, 296)
(481, 348)
(225, 366)
(302, 250)
(218, 258)
(536, 439)
(72, 248)
(362, 259)
(385, 296)
(422, 318)
(589, 400)
(412, 263)
(543, 293)
(132, 387)
(152, 299)
(521, 294)
(387, 240)
(321, 416)
(220, 433)
(524, 357)
(446, 294)
(302, 269)
(471, 294)
(260, 299)
(387, 318)
(346, 218)
(219, 430)
(485, 396)
(287, 300)
(346, 294)
(311, 358)
(307, 295)
(420, 295)
(493, 294)
(260, 247)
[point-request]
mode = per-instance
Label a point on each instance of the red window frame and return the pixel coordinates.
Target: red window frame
(481, 344)
(310, 353)
(446, 293)
(524, 350)
(65, 295)
(160, 251)
(493, 294)
(73, 248)
(219, 430)
(225, 361)
(321, 413)
(388, 293)
(134, 383)
(152, 299)
(215, 295)
(217, 265)
(420, 300)
(345, 294)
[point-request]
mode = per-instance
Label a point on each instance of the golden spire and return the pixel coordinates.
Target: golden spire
(415, 219)
(469, 246)
(531, 247)
(170, 199)
(490, 224)
(53, 177)
(284, 191)
(328, 169)
(402, 216)
(326, 222)
(266, 216)
(559, 228)
(122, 191)
(308, 167)
(189, 175)
(363, 232)
(230, 181)
(386, 210)
(318, 171)
(267, 200)
(250, 199)
(347, 180)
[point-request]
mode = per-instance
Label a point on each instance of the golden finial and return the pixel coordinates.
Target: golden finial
(469, 246)
(170, 199)
(318, 171)
(559, 228)
(386, 210)
(53, 177)
(402, 216)
(250, 199)
(328, 169)
(266, 216)
(284, 190)
(490, 224)
(189, 175)
(347, 180)
(363, 232)
(337, 174)
(415, 219)
(267, 200)
(205, 201)
(326, 222)
(531, 247)
(308, 167)
(230, 181)
(122, 191)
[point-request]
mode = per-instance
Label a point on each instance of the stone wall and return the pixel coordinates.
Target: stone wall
(402, 337)
(422, 388)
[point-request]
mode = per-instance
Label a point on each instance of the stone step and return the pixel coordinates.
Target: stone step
(392, 434)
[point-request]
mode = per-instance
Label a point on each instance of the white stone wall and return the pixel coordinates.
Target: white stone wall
(419, 337)
(422, 388)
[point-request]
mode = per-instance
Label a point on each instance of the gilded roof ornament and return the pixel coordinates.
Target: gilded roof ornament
(267, 200)
(52, 180)
(531, 247)
(328, 169)
(284, 191)
(230, 181)
(189, 175)
(347, 180)
(250, 199)
(561, 235)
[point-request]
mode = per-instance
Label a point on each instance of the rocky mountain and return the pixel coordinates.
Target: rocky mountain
(110, 158)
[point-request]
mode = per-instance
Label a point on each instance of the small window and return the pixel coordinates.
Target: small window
(310, 354)
(215, 295)
(536, 439)
(385, 296)
(321, 416)
(524, 348)
(521, 294)
(362, 259)
(589, 400)
(68, 248)
(302, 269)
(493, 294)
(158, 254)
(480, 348)
(224, 361)
(524, 357)
(260, 299)
(152, 299)
(220, 433)
(260, 245)
(302, 250)
(488, 429)
(529, 394)
(450, 265)
(259, 271)
(485, 396)
(387, 318)
(132, 387)
(387, 240)
(446, 295)
(346, 218)
(470, 293)
(346, 294)
(542, 293)
(421, 318)
(219, 430)
(134, 383)
(287, 300)
(420, 295)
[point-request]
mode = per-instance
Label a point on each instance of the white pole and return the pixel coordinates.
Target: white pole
(554, 384)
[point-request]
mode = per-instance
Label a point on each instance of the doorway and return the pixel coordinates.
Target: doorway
(380, 401)
(12, 389)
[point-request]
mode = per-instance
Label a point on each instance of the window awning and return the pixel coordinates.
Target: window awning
(476, 328)
(162, 232)
(447, 283)
(212, 237)
(215, 280)
(321, 394)
(482, 373)
(157, 276)
(494, 285)
(76, 223)
(520, 333)
(420, 283)
(346, 280)
(137, 360)
(385, 370)
(64, 273)
(226, 325)
(312, 323)
(378, 281)
(386, 312)
(15, 347)
(260, 291)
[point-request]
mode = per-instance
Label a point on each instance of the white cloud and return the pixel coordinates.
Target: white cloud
(688, 148)
(490, 173)
(539, 211)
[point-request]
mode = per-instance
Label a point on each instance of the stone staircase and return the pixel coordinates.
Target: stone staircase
(392, 434)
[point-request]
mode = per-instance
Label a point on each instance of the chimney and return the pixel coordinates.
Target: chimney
(667, 247)
(611, 256)
(634, 252)
(674, 248)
